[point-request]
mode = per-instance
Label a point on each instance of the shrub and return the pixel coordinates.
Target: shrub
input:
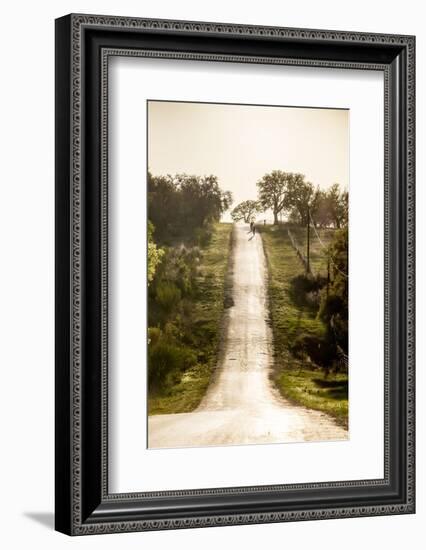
(320, 350)
(166, 362)
(168, 295)
(154, 334)
(203, 236)
(155, 254)
(305, 290)
(178, 267)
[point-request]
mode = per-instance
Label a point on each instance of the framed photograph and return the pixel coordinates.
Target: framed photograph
(234, 274)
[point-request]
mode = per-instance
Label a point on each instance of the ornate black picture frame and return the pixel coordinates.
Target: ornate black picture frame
(83, 45)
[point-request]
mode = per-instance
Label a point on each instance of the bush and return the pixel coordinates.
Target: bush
(334, 305)
(305, 290)
(203, 236)
(154, 334)
(178, 267)
(168, 295)
(166, 362)
(155, 254)
(321, 351)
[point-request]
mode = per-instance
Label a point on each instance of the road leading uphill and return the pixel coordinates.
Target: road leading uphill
(241, 405)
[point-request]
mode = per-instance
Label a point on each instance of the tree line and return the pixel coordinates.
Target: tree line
(182, 206)
(181, 209)
(291, 194)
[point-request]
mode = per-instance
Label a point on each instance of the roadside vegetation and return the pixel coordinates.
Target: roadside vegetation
(308, 369)
(188, 262)
(311, 389)
(308, 290)
(188, 255)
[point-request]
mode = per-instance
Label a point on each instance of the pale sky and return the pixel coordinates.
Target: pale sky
(241, 143)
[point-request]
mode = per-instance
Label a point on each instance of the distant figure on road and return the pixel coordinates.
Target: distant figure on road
(253, 229)
(251, 226)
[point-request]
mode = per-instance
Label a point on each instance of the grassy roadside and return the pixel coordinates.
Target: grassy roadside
(290, 319)
(318, 259)
(205, 316)
(310, 388)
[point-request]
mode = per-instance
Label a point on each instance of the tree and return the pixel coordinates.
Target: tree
(320, 209)
(162, 206)
(326, 208)
(181, 206)
(300, 196)
(154, 253)
(273, 192)
(246, 210)
(344, 208)
(338, 205)
(334, 304)
(202, 200)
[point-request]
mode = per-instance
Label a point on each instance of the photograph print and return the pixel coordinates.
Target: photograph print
(247, 265)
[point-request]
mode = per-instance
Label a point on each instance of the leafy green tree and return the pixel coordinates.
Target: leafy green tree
(154, 253)
(272, 189)
(344, 208)
(162, 206)
(338, 206)
(202, 200)
(326, 208)
(320, 209)
(246, 210)
(300, 196)
(180, 205)
(334, 303)
(289, 192)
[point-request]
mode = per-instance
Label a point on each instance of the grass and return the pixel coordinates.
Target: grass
(185, 396)
(291, 319)
(318, 259)
(310, 388)
(206, 311)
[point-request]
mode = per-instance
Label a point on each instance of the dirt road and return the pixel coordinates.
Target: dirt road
(241, 406)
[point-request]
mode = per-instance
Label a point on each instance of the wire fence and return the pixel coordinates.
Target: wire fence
(299, 252)
(342, 358)
(326, 249)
